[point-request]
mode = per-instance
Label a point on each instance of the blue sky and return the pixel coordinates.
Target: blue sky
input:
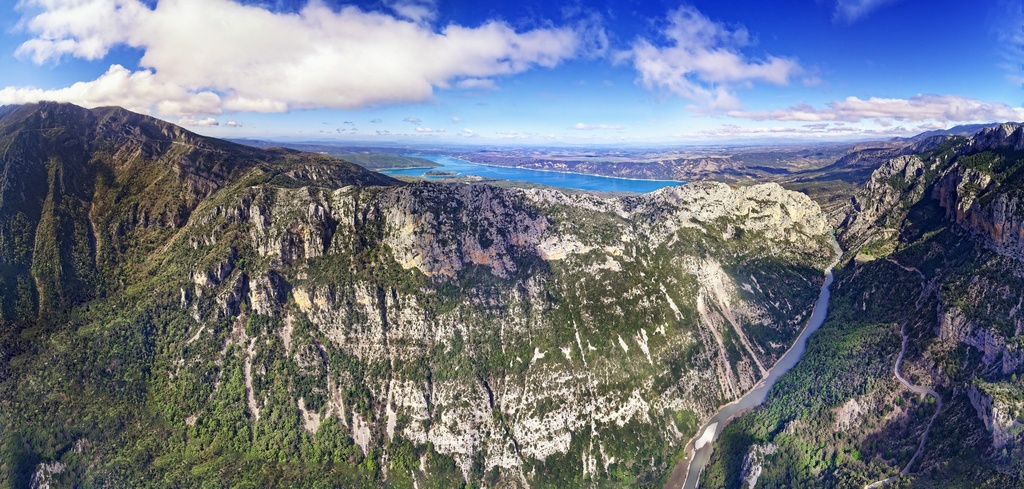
(528, 72)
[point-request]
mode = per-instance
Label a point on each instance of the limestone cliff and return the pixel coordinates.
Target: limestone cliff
(271, 317)
(560, 320)
(951, 215)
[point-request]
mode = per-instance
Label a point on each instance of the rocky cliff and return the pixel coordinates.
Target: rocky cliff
(86, 193)
(935, 257)
(269, 317)
(542, 326)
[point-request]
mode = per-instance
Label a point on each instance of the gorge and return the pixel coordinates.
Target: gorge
(179, 310)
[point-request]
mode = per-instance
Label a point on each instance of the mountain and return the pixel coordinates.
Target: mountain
(961, 130)
(86, 194)
(932, 290)
(183, 311)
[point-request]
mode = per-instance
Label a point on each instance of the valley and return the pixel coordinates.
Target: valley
(424, 244)
(320, 320)
(273, 317)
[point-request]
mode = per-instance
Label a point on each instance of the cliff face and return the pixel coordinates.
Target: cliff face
(86, 193)
(544, 325)
(934, 240)
(300, 315)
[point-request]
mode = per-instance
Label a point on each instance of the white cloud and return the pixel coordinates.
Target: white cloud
(423, 129)
(194, 122)
(456, 120)
(468, 132)
(476, 84)
(233, 124)
(317, 58)
(579, 126)
(412, 120)
(851, 11)
(141, 91)
(941, 108)
(423, 11)
(823, 131)
(702, 62)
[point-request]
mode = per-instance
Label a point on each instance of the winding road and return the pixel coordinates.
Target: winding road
(913, 388)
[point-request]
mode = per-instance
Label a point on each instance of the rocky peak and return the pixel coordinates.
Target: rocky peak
(1003, 136)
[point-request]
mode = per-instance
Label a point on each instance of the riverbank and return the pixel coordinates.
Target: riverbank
(687, 473)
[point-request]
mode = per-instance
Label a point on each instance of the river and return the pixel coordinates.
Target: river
(550, 178)
(687, 473)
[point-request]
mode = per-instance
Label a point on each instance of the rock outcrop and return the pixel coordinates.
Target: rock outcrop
(556, 293)
(235, 308)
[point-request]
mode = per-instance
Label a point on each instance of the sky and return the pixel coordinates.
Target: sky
(525, 72)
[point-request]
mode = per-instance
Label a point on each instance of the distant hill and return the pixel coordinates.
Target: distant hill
(371, 159)
(962, 130)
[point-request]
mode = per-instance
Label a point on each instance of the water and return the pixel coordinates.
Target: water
(550, 178)
(692, 468)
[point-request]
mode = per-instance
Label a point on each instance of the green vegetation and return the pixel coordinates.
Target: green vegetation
(825, 415)
(181, 312)
(840, 418)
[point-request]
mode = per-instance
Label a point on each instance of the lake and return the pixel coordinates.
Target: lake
(550, 178)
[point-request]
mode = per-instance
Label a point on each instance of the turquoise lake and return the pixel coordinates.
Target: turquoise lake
(554, 179)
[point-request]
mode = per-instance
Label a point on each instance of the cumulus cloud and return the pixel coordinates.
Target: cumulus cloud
(141, 91)
(318, 58)
(850, 11)
(579, 126)
(701, 61)
(940, 108)
(412, 120)
(233, 124)
(194, 122)
(423, 129)
(456, 120)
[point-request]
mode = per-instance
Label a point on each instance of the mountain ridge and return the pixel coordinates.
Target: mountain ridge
(934, 257)
(104, 165)
(270, 309)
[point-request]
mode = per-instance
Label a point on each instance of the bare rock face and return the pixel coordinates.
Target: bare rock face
(506, 328)
(897, 180)
(476, 225)
(999, 411)
(973, 184)
(995, 348)
(1004, 136)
